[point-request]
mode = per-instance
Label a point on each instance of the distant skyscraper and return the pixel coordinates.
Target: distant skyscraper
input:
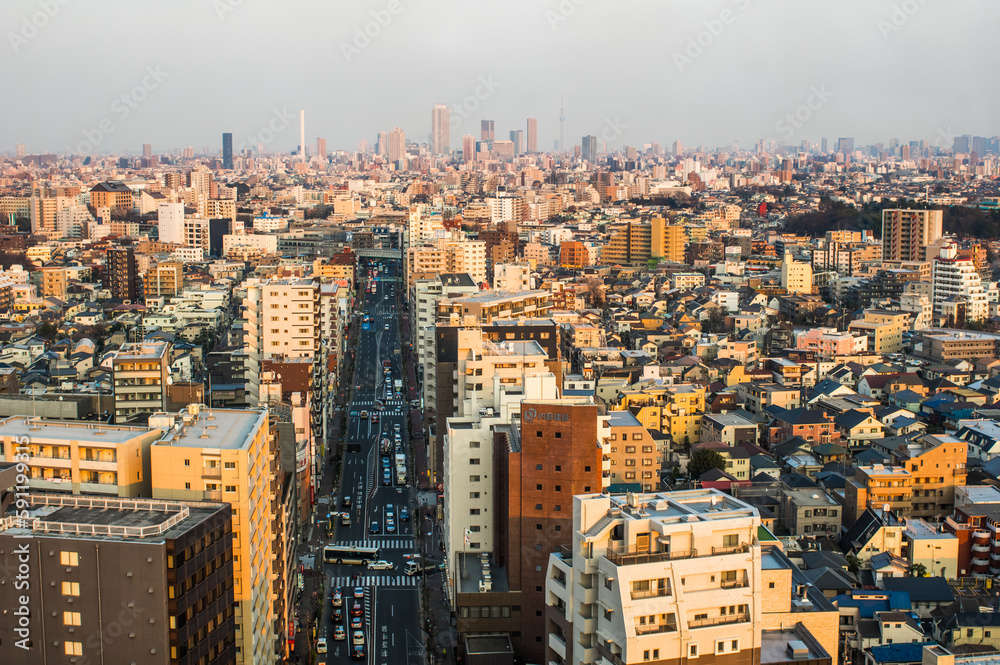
(468, 147)
(517, 138)
(321, 148)
(845, 145)
(822, 145)
(363, 146)
(961, 144)
(678, 148)
(382, 145)
(19, 149)
(589, 151)
(440, 130)
(532, 134)
(147, 150)
(227, 150)
(487, 130)
(397, 145)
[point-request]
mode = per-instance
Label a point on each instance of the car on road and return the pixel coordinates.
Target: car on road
(395, 427)
(404, 514)
(358, 637)
(356, 610)
(358, 652)
(399, 409)
(380, 565)
(321, 645)
(339, 633)
(359, 592)
(390, 525)
(338, 614)
(347, 502)
(356, 623)
(345, 518)
(338, 597)
(374, 527)
(386, 478)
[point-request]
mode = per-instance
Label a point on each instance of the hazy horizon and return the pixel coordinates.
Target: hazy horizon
(704, 73)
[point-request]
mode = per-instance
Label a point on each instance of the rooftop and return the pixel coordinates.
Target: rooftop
(224, 429)
(68, 430)
(474, 572)
(142, 351)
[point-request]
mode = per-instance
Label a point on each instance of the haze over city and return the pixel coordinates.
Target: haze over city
(705, 73)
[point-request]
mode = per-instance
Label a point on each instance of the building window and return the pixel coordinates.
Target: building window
(474, 528)
(538, 506)
(71, 588)
(538, 467)
(473, 479)
(558, 435)
(558, 467)
(71, 618)
(473, 495)
(69, 558)
(538, 487)
(474, 461)
(73, 648)
(692, 651)
(538, 434)
(473, 511)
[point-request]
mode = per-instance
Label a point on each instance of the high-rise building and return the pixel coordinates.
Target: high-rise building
(140, 375)
(122, 277)
(637, 242)
(440, 130)
(321, 148)
(469, 148)
(907, 233)
(147, 150)
(170, 222)
(846, 145)
(796, 277)
(115, 577)
(958, 293)
(165, 279)
(962, 144)
(822, 145)
(231, 455)
(589, 149)
(396, 149)
(680, 577)
(486, 129)
(19, 150)
(382, 144)
(517, 138)
(227, 150)
(532, 135)
(678, 148)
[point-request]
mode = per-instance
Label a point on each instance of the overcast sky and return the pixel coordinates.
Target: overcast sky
(632, 71)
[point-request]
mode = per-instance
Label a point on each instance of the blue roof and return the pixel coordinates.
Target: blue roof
(903, 652)
(895, 601)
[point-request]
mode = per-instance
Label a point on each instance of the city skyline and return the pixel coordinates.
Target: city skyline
(696, 54)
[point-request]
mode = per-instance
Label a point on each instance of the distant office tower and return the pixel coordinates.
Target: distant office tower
(382, 145)
(907, 233)
(961, 144)
(532, 134)
(397, 145)
(468, 147)
(517, 138)
(440, 130)
(589, 151)
(905, 152)
(845, 145)
(363, 146)
(321, 148)
(487, 130)
(227, 150)
(302, 134)
(147, 150)
(170, 222)
(822, 145)
(122, 276)
(19, 150)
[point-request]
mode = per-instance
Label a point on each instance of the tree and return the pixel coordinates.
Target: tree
(853, 563)
(918, 570)
(705, 460)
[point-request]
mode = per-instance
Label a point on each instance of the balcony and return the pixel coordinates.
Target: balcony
(558, 644)
(626, 558)
(735, 584)
(734, 549)
(977, 547)
(718, 621)
(656, 628)
(652, 593)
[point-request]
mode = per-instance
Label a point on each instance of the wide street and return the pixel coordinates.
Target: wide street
(376, 412)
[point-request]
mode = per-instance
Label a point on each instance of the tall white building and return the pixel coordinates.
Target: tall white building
(513, 277)
(957, 286)
(170, 222)
(440, 130)
(680, 577)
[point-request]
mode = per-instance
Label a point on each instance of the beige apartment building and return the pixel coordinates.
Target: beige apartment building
(907, 233)
(446, 256)
(489, 305)
(55, 283)
(165, 279)
(632, 451)
(230, 455)
(884, 330)
(140, 375)
(677, 577)
(637, 242)
(80, 457)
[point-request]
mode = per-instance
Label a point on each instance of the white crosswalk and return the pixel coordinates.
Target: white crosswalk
(383, 543)
(388, 402)
(347, 581)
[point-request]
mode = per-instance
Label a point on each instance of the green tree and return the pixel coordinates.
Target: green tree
(46, 330)
(705, 460)
(918, 570)
(853, 563)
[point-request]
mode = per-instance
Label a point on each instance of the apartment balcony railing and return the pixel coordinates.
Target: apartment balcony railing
(630, 558)
(656, 628)
(734, 549)
(735, 584)
(652, 593)
(718, 621)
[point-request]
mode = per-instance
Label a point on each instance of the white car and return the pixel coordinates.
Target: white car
(321, 645)
(380, 565)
